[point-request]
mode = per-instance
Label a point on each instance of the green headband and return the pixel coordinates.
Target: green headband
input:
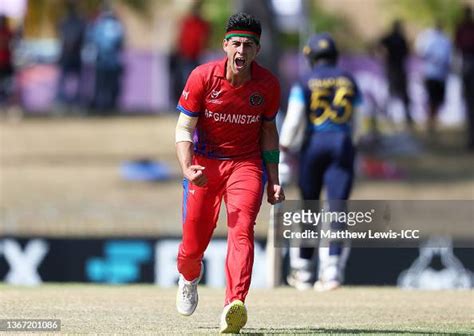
(243, 33)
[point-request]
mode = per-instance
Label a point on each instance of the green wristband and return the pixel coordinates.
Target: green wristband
(271, 156)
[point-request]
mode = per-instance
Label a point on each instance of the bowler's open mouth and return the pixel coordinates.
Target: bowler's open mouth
(239, 62)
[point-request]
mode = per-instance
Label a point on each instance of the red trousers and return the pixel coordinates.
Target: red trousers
(239, 183)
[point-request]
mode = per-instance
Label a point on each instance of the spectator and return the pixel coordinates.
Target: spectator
(6, 66)
(107, 37)
(434, 48)
(465, 44)
(71, 32)
(189, 50)
(395, 50)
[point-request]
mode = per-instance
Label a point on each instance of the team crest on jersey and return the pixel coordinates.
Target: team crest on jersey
(256, 99)
(213, 97)
(215, 94)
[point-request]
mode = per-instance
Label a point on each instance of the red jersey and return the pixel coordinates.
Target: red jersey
(230, 118)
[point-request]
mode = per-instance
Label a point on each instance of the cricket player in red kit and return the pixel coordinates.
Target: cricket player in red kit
(225, 129)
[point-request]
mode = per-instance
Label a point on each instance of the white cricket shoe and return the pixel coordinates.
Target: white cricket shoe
(233, 318)
(187, 297)
(331, 269)
(300, 279)
(330, 278)
(325, 286)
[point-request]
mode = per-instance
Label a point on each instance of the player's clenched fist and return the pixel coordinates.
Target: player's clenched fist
(195, 175)
(275, 193)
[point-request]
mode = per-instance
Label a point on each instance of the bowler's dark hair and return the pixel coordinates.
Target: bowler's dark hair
(244, 21)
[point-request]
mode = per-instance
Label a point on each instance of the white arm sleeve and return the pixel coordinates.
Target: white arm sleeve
(185, 128)
(292, 131)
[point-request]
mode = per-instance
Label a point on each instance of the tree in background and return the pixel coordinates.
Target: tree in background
(425, 13)
(43, 15)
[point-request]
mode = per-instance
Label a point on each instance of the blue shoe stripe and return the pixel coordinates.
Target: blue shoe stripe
(185, 198)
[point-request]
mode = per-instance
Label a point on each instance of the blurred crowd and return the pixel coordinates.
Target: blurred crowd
(99, 46)
(91, 62)
(435, 49)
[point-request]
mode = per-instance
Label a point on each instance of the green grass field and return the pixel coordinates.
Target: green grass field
(146, 309)
(60, 177)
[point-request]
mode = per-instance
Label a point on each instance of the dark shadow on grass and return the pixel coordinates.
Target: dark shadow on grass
(328, 331)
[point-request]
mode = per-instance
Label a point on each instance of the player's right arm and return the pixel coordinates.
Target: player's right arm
(184, 150)
(292, 131)
(190, 105)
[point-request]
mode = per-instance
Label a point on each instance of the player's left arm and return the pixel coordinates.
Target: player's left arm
(269, 145)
